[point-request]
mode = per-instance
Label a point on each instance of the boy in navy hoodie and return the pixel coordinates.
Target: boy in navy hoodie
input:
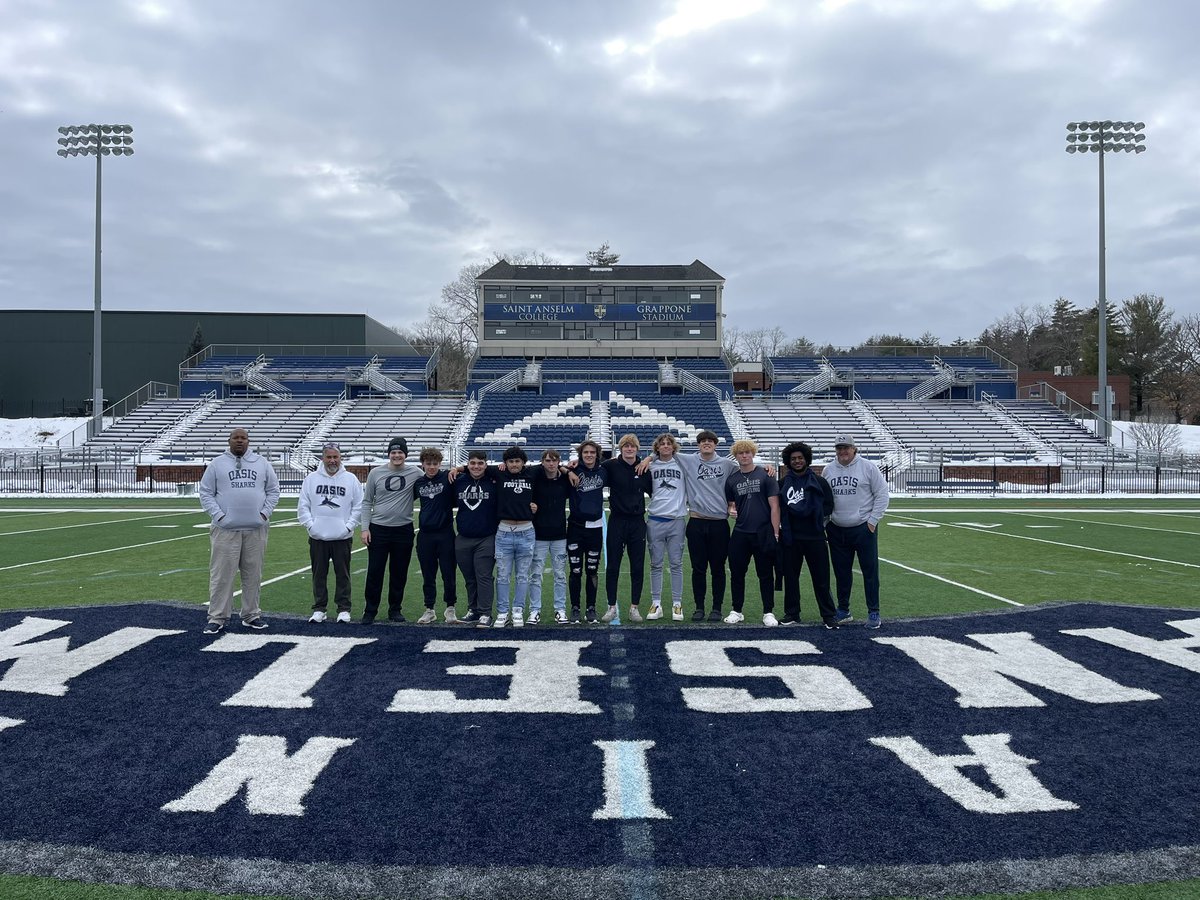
(807, 501)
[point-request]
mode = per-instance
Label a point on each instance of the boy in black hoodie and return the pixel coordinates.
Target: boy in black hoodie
(807, 503)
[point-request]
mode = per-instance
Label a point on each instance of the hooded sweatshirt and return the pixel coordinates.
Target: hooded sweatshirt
(806, 502)
(330, 504)
(239, 493)
(860, 494)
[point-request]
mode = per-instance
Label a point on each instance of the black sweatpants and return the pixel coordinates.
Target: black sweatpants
(759, 546)
(435, 550)
(391, 548)
(793, 557)
(625, 533)
(322, 554)
(708, 548)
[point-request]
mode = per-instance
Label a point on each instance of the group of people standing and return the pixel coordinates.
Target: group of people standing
(500, 525)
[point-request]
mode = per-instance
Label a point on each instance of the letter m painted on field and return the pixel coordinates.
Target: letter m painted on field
(45, 667)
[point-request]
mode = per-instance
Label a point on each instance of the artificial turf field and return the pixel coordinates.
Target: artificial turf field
(941, 557)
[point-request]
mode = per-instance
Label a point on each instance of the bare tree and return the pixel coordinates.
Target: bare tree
(603, 256)
(458, 309)
(1156, 436)
(731, 343)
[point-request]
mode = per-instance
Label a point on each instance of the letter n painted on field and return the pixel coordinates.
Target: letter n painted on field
(275, 783)
(627, 793)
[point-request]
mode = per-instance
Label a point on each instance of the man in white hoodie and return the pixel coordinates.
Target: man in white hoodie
(860, 498)
(330, 502)
(239, 490)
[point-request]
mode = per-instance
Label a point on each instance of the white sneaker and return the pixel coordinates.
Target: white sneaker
(518, 617)
(655, 613)
(427, 618)
(677, 612)
(344, 616)
(769, 620)
(635, 614)
(501, 620)
(560, 617)
(734, 618)
(451, 617)
(317, 616)
(609, 614)
(535, 617)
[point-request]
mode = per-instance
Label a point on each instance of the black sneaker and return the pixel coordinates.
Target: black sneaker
(574, 620)
(698, 615)
(714, 614)
(213, 628)
(397, 617)
(256, 623)
(591, 615)
(470, 618)
(789, 620)
(831, 624)
(484, 621)
(368, 619)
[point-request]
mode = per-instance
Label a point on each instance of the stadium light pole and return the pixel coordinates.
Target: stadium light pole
(1101, 138)
(98, 141)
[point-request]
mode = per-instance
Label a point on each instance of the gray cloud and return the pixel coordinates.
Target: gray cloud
(850, 167)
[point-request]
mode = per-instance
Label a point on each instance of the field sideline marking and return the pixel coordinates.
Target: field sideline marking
(965, 587)
(1025, 537)
(42, 562)
(1108, 524)
(90, 524)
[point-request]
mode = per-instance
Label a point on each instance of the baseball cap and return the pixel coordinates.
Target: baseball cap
(845, 440)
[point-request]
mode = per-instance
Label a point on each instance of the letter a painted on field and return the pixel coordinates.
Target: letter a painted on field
(1019, 791)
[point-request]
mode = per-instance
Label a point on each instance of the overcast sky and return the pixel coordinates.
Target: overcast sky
(850, 167)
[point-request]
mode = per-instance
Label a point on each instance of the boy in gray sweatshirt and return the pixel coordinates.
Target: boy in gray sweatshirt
(239, 490)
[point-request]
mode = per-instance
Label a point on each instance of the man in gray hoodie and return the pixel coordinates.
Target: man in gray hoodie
(860, 498)
(238, 490)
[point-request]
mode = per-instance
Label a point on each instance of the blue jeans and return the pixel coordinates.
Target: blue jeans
(557, 551)
(844, 544)
(514, 551)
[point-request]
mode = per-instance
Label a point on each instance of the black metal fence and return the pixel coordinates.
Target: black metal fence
(926, 480)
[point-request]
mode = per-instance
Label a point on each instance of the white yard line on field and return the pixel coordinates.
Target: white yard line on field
(1105, 524)
(958, 584)
(42, 562)
(1025, 537)
(290, 574)
(90, 524)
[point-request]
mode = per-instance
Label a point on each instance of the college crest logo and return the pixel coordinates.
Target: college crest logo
(600, 311)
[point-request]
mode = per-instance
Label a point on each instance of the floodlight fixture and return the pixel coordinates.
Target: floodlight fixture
(1101, 138)
(98, 141)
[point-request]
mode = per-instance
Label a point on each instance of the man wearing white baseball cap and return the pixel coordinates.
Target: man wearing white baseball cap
(860, 498)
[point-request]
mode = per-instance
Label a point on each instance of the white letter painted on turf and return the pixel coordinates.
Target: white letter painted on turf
(1177, 652)
(285, 683)
(10, 723)
(627, 793)
(981, 677)
(47, 666)
(1019, 790)
(545, 677)
(276, 784)
(813, 688)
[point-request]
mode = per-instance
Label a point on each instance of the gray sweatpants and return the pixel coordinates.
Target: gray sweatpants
(666, 542)
(234, 552)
